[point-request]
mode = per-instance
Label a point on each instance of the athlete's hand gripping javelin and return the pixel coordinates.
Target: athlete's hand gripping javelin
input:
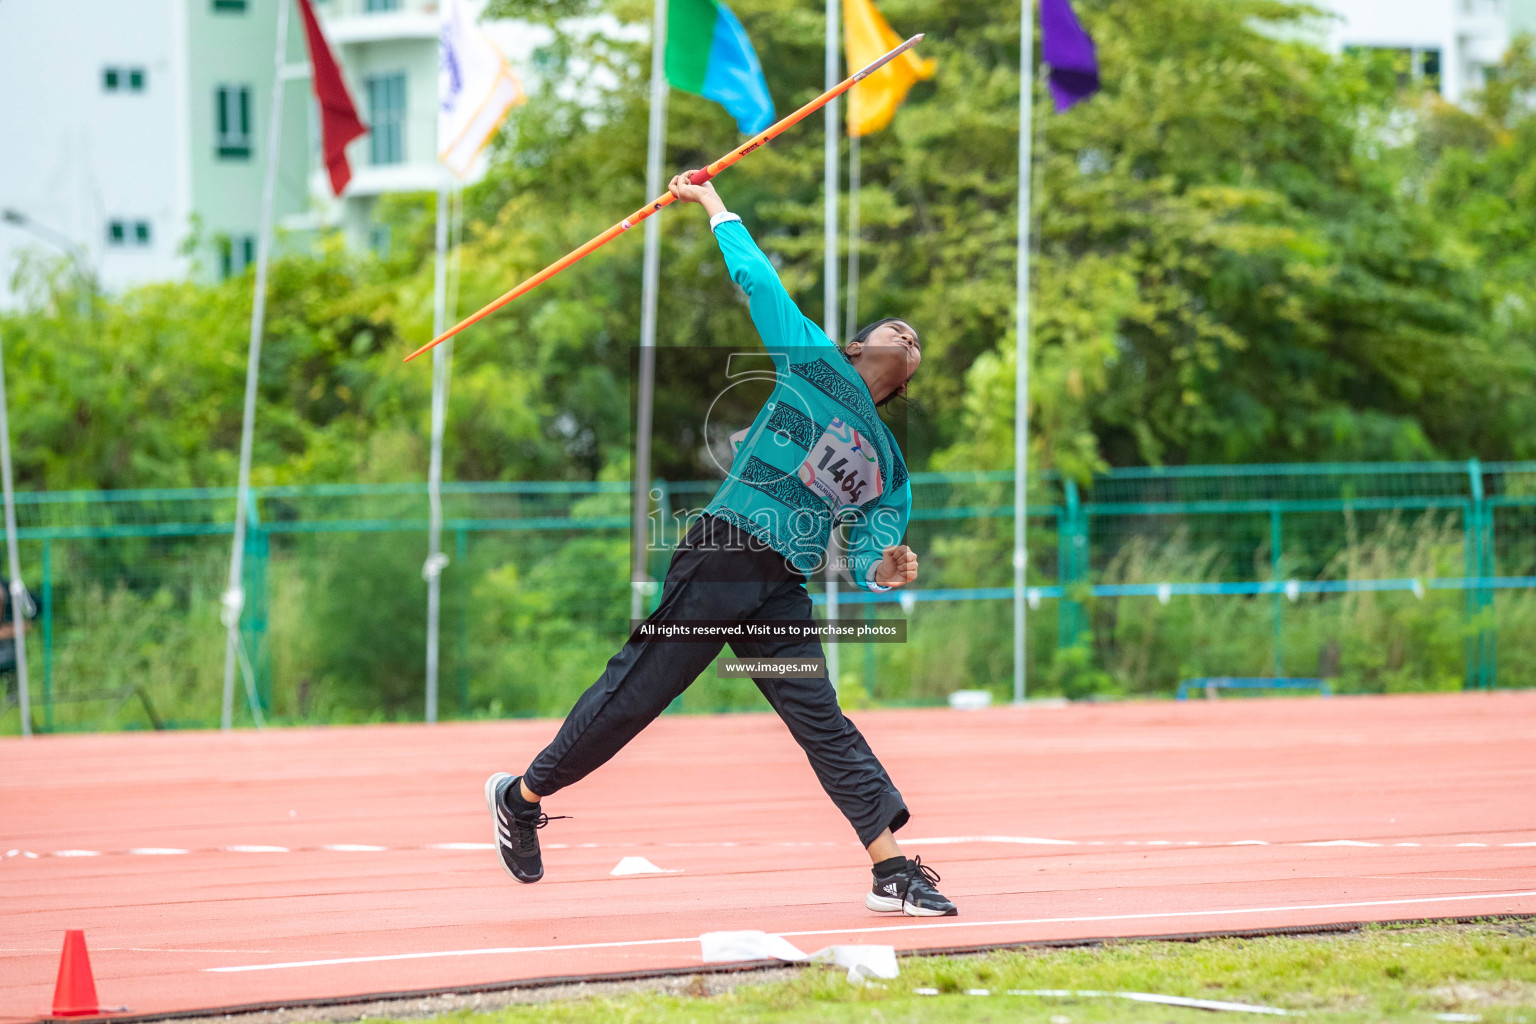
(705, 195)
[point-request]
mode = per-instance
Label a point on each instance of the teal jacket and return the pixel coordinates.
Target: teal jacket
(818, 448)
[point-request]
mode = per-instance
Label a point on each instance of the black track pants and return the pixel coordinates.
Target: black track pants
(719, 572)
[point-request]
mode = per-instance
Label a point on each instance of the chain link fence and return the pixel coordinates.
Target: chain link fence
(1378, 577)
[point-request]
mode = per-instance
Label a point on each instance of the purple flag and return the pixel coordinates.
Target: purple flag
(1069, 53)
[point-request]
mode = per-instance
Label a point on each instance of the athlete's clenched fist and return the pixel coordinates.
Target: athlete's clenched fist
(898, 566)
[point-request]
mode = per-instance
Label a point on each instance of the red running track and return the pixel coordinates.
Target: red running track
(191, 859)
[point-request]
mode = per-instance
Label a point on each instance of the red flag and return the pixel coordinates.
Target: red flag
(339, 124)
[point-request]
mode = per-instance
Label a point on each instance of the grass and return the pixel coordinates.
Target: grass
(1379, 973)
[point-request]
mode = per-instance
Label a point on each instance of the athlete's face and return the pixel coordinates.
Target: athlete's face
(896, 337)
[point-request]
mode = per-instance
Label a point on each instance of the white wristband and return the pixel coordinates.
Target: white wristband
(721, 218)
(870, 579)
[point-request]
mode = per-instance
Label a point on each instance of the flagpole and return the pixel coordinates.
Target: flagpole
(432, 568)
(1021, 354)
(18, 592)
(650, 286)
(829, 284)
(436, 562)
(851, 293)
(234, 596)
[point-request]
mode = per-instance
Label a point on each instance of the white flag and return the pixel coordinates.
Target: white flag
(475, 88)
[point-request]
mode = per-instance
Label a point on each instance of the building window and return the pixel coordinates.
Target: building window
(232, 6)
(1429, 67)
(378, 240)
(232, 121)
(1403, 65)
(386, 115)
(123, 79)
(236, 252)
(382, 5)
(123, 234)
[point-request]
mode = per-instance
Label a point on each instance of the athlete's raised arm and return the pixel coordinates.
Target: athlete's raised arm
(777, 318)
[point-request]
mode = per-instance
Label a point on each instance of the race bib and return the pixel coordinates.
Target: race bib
(842, 467)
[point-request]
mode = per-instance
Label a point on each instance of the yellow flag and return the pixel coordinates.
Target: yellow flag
(866, 36)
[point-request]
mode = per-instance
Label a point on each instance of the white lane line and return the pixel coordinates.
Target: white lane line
(921, 841)
(1170, 914)
(449, 953)
(934, 925)
(170, 949)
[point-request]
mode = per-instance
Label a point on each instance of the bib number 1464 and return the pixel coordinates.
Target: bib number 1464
(842, 467)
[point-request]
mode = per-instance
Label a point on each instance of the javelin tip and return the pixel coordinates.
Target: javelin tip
(881, 61)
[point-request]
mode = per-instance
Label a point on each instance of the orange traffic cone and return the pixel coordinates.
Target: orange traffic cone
(75, 993)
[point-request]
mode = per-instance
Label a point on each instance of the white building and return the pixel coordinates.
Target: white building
(128, 122)
(388, 53)
(1522, 16)
(131, 127)
(1449, 43)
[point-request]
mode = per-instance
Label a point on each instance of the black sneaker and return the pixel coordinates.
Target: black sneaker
(517, 836)
(910, 890)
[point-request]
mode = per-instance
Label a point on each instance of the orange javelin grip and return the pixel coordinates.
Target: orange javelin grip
(666, 198)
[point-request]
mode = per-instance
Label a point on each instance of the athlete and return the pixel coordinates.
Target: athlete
(816, 456)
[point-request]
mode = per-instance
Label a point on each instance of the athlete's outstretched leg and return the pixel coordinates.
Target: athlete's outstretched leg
(638, 684)
(845, 765)
(714, 575)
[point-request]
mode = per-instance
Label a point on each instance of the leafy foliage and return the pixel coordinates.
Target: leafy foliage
(1246, 251)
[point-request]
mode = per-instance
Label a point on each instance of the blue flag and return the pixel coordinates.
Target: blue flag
(708, 53)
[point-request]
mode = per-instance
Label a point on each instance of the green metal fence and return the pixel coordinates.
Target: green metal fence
(1381, 576)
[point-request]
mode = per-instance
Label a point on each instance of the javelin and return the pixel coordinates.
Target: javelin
(667, 198)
